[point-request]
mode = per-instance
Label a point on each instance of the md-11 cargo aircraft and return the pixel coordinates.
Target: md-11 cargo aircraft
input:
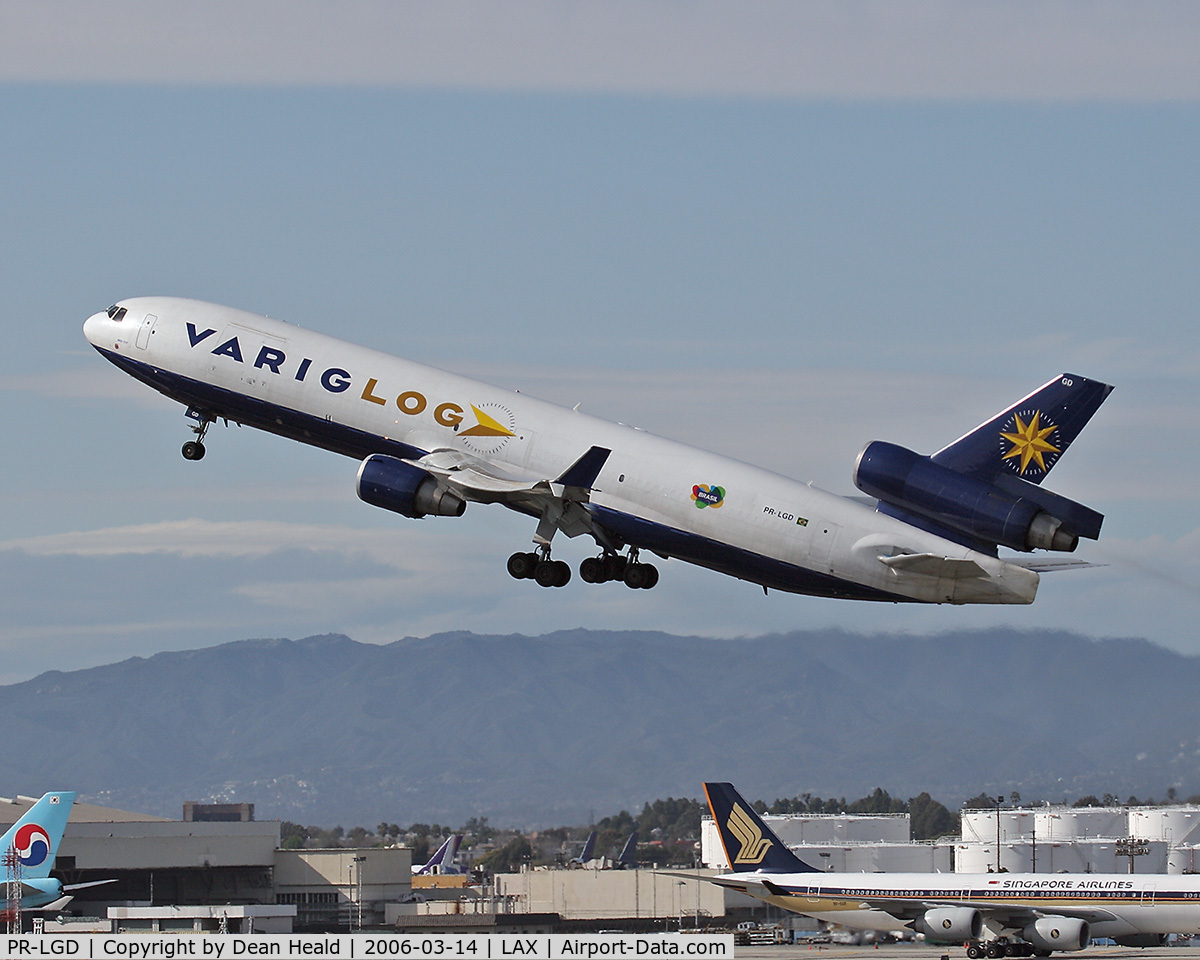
(994, 914)
(430, 442)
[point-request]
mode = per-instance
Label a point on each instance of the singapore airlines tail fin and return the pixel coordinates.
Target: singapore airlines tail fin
(36, 835)
(749, 843)
(1027, 439)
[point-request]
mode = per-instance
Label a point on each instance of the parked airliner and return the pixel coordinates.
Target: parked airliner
(30, 846)
(430, 442)
(994, 914)
(442, 862)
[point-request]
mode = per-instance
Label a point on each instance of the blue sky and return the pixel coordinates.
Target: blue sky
(777, 235)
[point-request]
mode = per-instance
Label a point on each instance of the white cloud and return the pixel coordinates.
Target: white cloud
(826, 48)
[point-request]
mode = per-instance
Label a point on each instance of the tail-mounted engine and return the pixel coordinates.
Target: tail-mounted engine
(1006, 511)
(399, 486)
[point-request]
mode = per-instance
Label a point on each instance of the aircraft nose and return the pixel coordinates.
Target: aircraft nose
(93, 326)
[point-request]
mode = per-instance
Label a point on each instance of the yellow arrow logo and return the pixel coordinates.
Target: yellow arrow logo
(486, 426)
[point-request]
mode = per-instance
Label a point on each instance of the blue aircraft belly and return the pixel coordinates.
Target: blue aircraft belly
(351, 442)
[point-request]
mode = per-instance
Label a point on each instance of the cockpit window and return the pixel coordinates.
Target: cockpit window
(116, 313)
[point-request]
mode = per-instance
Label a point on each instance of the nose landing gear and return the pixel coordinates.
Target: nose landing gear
(194, 449)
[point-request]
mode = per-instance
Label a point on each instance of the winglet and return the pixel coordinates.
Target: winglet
(583, 472)
(749, 843)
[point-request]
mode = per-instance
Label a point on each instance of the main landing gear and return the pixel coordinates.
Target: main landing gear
(539, 567)
(194, 449)
(1003, 948)
(610, 566)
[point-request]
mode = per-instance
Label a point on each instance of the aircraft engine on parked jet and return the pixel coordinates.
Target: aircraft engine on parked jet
(399, 486)
(1058, 933)
(950, 924)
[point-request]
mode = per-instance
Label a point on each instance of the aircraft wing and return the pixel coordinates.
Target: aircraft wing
(1013, 916)
(556, 500)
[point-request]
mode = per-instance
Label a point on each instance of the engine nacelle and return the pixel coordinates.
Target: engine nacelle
(904, 479)
(1058, 933)
(399, 486)
(950, 924)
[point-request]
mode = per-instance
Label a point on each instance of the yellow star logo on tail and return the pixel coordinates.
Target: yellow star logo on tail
(754, 845)
(486, 426)
(1029, 442)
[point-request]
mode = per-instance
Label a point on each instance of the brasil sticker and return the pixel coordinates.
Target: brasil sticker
(705, 496)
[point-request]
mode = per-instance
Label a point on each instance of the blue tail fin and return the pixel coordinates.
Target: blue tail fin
(443, 858)
(628, 854)
(37, 834)
(749, 843)
(1027, 439)
(589, 848)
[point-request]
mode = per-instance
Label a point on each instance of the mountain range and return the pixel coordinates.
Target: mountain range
(569, 726)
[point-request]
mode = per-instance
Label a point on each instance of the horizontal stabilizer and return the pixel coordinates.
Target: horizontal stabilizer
(1050, 564)
(90, 883)
(932, 565)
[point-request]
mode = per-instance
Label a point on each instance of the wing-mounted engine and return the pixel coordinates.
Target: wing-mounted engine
(950, 924)
(982, 514)
(399, 486)
(1058, 933)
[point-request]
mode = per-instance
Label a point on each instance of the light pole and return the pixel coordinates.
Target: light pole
(358, 885)
(999, 801)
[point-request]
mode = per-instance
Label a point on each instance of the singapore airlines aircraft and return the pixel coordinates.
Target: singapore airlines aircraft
(430, 442)
(994, 914)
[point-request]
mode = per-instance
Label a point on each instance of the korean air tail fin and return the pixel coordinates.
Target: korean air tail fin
(36, 835)
(1027, 439)
(749, 843)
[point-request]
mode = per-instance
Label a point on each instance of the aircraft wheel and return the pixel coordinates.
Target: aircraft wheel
(193, 450)
(564, 573)
(651, 575)
(973, 951)
(636, 576)
(522, 566)
(993, 950)
(614, 567)
(591, 570)
(546, 574)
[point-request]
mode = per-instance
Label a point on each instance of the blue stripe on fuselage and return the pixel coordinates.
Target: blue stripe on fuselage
(350, 442)
(270, 417)
(743, 564)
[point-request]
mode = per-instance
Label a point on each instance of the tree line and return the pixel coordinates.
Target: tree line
(668, 830)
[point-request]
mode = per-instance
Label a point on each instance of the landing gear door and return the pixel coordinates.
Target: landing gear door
(144, 331)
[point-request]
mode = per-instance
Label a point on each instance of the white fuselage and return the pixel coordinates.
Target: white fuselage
(1138, 904)
(760, 526)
